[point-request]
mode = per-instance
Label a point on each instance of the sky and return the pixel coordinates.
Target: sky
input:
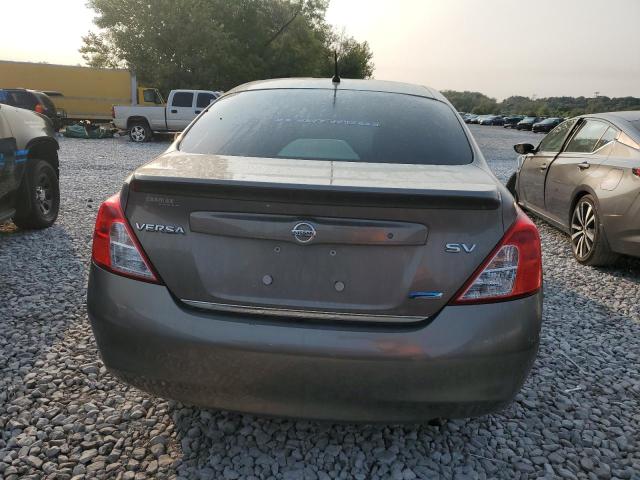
(498, 47)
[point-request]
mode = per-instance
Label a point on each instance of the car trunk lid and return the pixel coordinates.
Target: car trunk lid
(314, 239)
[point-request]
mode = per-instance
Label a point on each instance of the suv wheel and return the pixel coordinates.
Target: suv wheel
(38, 197)
(139, 132)
(588, 241)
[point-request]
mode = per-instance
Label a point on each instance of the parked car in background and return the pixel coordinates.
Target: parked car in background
(584, 178)
(33, 100)
(182, 107)
(470, 117)
(477, 119)
(527, 123)
(289, 254)
(512, 120)
(29, 188)
(492, 120)
(546, 125)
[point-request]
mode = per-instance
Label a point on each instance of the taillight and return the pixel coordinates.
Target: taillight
(512, 270)
(113, 111)
(116, 248)
(636, 171)
(39, 108)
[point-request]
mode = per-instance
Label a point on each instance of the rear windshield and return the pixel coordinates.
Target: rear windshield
(342, 125)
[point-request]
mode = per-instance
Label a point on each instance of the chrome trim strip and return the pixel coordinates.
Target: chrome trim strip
(304, 314)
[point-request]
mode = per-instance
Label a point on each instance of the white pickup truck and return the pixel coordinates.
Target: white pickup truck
(181, 108)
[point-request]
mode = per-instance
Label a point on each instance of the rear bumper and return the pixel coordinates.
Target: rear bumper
(470, 360)
(623, 231)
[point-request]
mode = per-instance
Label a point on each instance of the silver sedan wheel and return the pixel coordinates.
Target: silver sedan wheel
(138, 133)
(583, 229)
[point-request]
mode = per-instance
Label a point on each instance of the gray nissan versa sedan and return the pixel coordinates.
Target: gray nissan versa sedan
(324, 250)
(584, 178)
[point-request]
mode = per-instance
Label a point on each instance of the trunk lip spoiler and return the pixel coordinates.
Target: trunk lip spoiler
(485, 197)
(305, 314)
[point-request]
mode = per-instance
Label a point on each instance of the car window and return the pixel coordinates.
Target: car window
(149, 95)
(584, 141)
(626, 140)
(21, 99)
(553, 141)
(324, 124)
(157, 96)
(204, 99)
(609, 135)
(182, 99)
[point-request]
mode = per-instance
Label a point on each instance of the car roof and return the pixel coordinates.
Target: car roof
(621, 120)
(629, 116)
(345, 84)
(21, 90)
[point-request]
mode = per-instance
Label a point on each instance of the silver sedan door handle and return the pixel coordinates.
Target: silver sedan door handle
(583, 165)
(543, 167)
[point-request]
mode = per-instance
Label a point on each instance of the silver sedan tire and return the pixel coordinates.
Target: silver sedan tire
(588, 240)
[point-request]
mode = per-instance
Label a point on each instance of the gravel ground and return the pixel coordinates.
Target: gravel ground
(62, 416)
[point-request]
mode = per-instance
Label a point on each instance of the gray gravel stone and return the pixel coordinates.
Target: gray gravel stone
(34, 461)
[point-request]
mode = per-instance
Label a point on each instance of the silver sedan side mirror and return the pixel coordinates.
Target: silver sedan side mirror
(524, 148)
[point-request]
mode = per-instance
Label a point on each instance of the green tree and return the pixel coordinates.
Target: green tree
(219, 44)
(355, 58)
(471, 102)
(476, 102)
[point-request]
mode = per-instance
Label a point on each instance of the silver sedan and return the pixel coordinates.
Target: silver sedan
(584, 178)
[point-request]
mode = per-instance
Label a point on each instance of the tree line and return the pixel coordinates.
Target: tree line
(476, 102)
(218, 44)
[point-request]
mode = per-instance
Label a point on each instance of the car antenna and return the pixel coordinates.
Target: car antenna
(336, 75)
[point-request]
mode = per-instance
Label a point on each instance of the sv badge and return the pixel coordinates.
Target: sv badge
(459, 248)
